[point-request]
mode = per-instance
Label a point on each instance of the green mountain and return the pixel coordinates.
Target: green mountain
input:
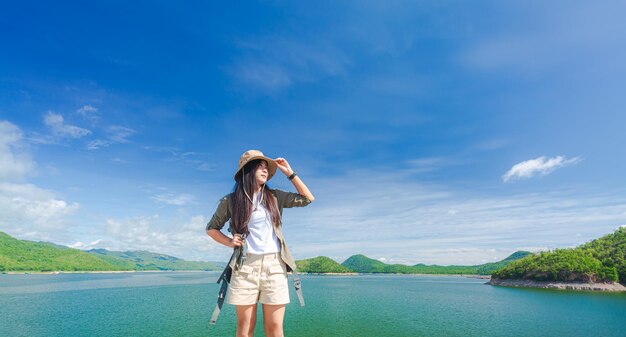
(23, 255)
(488, 268)
(363, 264)
(143, 260)
(600, 260)
(321, 264)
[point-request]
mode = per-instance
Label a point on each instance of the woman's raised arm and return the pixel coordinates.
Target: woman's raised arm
(283, 165)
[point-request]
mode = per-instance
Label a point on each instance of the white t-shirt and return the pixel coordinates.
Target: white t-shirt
(261, 238)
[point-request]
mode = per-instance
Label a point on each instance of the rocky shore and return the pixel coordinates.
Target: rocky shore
(610, 286)
(308, 273)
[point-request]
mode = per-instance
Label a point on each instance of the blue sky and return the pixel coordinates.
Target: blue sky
(429, 132)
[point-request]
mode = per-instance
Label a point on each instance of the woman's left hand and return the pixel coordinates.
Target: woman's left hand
(283, 165)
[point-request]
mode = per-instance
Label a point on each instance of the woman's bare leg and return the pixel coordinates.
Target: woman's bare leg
(273, 315)
(246, 320)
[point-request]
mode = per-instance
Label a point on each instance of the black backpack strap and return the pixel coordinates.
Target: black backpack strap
(298, 285)
(221, 295)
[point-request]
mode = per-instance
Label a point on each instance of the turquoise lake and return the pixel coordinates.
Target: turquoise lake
(180, 304)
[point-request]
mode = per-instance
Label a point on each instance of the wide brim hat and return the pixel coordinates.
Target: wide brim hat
(251, 155)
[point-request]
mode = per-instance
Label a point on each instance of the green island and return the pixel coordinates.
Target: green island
(362, 264)
(29, 256)
(596, 265)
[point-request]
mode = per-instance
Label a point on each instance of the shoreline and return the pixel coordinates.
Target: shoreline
(578, 286)
(329, 274)
(486, 277)
(196, 271)
(101, 271)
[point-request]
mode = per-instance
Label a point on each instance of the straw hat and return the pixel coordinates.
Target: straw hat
(250, 155)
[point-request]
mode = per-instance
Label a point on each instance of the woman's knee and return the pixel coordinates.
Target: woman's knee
(273, 328)
(273, 322)
(245, 327)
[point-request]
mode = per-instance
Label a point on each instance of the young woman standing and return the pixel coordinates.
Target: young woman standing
(261, 259)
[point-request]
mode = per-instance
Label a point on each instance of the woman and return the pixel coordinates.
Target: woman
(261, 259)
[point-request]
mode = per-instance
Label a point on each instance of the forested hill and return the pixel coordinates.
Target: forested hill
(144, 260)
(600, 260)
(321, 264)
(23, 255)
(363, 264)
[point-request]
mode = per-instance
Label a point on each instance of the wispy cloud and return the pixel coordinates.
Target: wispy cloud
(196, 160)
(14, 163)
(491, 145)
(88, 112)
(538, 166)
(428, 164)
(115, 134)
(186, 240)
(390, 214)
(582, 33)
(120, 134)
(207, 167)
(264, 76)
(59, 128)
(174, 199)
(273, 63)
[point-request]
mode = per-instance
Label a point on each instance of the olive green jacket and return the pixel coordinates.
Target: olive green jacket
(284, 199)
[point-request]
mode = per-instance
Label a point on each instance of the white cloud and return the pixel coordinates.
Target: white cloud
(186, 240)
(120, 134)
(267, 76)
(31, 206)
(541, 165)
(116, 134)
(86, 110)
(582, 34)
(14, 164)
(428, 164)
(25, 208)
(395, 217)
(402, 219)
(87, 246)
(98, 143)
(207, 167)
(89, 113)
(60, 129)
(196, 160)
(274, 63)
(172, 199)
(491, 145)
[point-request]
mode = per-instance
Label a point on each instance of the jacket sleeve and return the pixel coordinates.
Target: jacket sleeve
(290, 199)
(221, 215)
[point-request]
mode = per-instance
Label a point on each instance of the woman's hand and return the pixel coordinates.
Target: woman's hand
(236, 241)
(283, 165)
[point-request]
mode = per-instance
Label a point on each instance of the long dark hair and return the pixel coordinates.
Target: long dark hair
(242, 206)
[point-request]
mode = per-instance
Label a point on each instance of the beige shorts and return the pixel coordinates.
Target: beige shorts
(261, 279)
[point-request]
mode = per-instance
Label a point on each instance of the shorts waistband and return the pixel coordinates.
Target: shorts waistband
(260, 256)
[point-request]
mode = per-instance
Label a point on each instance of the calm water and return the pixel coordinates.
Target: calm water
(180, 304)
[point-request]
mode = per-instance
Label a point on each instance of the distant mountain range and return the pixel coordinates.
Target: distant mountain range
(23, 255)
(363, 264)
